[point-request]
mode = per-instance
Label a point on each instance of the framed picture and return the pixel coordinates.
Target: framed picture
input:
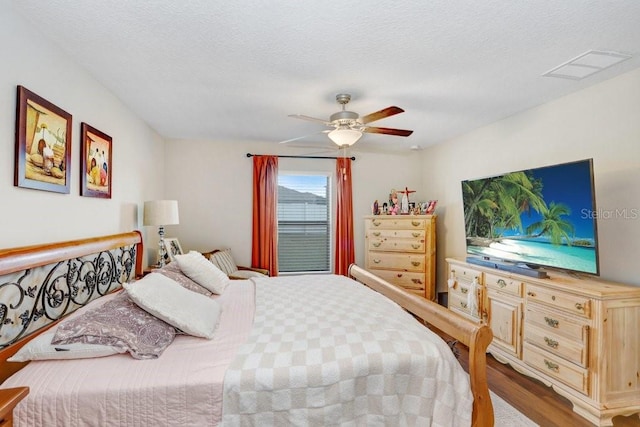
(95, 162)
(43, 144)
(172, 248)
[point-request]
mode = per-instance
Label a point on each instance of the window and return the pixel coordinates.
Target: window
(304, 238)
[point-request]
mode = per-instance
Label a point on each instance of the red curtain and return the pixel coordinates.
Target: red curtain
(264, 246)
(345, 252)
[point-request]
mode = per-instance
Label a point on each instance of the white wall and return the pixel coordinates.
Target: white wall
(601, 122)
(213, 184)
(31, 216)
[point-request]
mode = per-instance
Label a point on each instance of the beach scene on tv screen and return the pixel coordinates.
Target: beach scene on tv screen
(539, 217)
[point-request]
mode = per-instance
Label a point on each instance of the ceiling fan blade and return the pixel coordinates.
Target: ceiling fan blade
(302, 137)
(311, 119)
(386, 112)
(387, 131)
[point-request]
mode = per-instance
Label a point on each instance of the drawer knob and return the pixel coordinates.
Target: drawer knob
(551, 343)
(464, 290)
(377, 244)
(551, 322)
(463, 304)
(415, 223)
(417, 281)
(376, 233)
(415, 234)
(415, 263)
(552, 366)
(531, 294)
(377, 261)
(579, 306)
(415, 246)
(376, 223)
(399, 275)
(502, 283)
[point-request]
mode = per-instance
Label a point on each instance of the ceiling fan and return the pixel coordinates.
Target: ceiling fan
(349, 126)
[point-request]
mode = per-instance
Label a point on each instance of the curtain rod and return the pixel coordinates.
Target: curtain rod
(302, 157)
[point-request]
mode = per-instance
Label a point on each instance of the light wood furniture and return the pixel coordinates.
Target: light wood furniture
(401, 249)
(578, 335)
(475, 336)
(9, 398)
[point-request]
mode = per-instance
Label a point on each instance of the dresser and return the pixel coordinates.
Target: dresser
(578, 335)
(401, 249)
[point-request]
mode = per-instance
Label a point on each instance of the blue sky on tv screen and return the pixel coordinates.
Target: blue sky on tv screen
(571, 185)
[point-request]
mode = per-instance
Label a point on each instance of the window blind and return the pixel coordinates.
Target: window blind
(304, 239)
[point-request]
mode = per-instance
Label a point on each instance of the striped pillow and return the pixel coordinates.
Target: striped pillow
(224, 261)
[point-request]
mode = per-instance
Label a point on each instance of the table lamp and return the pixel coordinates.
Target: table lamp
(160, 213)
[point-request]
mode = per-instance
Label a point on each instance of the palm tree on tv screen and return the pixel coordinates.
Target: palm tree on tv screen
(495, 205)
(553, 225)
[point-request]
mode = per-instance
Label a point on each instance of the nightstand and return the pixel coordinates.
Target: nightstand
(9, 398)
(147, 270)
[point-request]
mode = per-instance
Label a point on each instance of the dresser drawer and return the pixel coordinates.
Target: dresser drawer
(573, 351)
(571, 303)
(393, 244)
(460, 303)
(503, 284)
(405, 234)
(556, 323)
(391, 261)
(464, 274)
(408, 280)
(556, 367)
(407, 223)
(461, 288)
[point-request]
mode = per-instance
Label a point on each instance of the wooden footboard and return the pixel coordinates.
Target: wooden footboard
(476, 337)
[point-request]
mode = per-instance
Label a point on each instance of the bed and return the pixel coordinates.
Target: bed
(303, 350)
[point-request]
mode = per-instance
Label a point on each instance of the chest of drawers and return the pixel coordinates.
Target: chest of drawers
(401, 249)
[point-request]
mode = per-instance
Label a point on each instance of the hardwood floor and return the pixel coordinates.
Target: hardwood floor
(537, 401)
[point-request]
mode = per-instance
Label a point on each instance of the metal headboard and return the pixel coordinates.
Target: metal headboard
(41, 284)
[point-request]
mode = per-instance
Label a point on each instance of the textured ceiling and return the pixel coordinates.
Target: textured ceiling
(235, 70)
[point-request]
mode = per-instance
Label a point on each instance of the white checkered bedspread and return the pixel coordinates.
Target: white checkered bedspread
(326, 350)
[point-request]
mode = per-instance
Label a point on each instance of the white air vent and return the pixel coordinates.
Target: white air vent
(586, 64)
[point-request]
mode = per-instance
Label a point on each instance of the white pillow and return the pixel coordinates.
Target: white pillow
(192, 313)
(202, 271)
(40, 348)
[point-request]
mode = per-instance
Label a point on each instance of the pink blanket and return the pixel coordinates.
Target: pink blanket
(182, 387)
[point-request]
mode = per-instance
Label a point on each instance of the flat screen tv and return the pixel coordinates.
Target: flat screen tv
(542, 217)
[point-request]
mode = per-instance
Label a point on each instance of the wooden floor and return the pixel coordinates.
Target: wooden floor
(537, 401)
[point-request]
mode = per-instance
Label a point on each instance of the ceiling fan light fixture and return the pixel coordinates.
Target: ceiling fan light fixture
(342, 136)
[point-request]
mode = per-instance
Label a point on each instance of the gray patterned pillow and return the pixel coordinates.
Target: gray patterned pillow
(224, 261)
(118, 323)
(172, 271)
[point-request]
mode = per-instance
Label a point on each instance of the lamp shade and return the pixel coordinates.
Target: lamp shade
(345, 136)
(161, 212)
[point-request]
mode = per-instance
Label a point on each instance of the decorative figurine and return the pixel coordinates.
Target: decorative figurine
(405, 199)
(431, 207)
(393, 198)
